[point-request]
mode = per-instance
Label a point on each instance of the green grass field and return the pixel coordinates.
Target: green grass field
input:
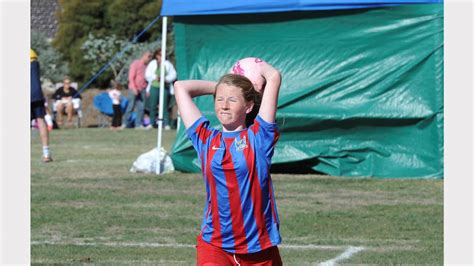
(86, 207)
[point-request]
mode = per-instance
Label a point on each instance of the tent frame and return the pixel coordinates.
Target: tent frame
(162, 93)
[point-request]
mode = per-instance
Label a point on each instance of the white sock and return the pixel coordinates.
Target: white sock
(45, 151)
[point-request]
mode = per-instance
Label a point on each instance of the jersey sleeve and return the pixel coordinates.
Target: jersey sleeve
(200, 133)
(266, 135)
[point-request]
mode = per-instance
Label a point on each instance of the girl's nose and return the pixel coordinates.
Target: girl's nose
(225, 105)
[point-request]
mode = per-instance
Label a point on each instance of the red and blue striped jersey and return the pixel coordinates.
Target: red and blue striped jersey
(240, 214)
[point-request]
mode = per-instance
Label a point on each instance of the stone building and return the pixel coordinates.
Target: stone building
(43, 17)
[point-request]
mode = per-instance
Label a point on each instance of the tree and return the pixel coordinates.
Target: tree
(126, 24)
(101, 51)
(76, 18)
(118, 54)
(122, 18)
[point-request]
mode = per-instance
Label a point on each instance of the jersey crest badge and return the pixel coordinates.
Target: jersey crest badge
(240, 145)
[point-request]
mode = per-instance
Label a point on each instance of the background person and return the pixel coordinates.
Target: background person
(114, 94)
(152, 75)
(37, 105)
(64, 101)
(235, 168)
(136, 90)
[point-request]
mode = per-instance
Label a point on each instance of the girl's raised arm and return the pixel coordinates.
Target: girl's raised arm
(185, 90)
(269, 102)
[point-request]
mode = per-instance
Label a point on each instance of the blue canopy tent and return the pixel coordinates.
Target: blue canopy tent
(362, 80)
(210, 7)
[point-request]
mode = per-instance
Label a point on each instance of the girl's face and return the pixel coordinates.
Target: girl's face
(231, 107)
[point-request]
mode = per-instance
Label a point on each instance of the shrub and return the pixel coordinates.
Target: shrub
(53, 67)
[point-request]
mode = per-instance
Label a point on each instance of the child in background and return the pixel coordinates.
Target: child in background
(114, 94)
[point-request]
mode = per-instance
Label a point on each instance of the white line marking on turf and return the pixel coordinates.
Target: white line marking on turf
(174, 245)
(345, 255)
(311, 247)
(113, 244)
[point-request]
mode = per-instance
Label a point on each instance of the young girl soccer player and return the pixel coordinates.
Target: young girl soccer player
(240, 224)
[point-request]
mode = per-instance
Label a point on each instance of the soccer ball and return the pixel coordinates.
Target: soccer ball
(251, 68)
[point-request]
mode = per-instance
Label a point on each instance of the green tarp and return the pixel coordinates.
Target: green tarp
(361, 94)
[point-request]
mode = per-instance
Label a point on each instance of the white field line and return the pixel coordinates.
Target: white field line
(175, 245)
(113, 244)
(345, 255)
(318, 247)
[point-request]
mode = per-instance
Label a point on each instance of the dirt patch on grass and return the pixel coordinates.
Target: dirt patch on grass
(74, 204)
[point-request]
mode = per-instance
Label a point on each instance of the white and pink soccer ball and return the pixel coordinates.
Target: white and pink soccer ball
(251, 68)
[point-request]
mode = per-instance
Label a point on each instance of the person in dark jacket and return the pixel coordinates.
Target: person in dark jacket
(37, 105)
(64, 100)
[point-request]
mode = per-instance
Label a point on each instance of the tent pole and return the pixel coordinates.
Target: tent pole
(162, 90)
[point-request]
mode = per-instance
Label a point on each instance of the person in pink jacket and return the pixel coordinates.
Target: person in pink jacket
(136, 89)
